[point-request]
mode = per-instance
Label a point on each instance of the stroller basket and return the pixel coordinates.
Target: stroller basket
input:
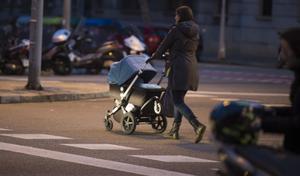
(139, 93)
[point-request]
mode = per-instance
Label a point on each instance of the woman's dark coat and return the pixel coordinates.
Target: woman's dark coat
(182, 43)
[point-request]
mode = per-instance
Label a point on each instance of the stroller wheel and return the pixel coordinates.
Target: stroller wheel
(108, 124)
(128, 123)
(159, 123)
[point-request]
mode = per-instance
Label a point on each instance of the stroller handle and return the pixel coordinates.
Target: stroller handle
(142, 69)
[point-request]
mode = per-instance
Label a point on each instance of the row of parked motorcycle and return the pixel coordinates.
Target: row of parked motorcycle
(65, 54)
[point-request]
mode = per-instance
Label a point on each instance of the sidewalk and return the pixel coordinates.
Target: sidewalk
(12, 91)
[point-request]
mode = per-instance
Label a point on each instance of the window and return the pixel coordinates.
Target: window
(15, 8)
(266, 8)
(130, 7)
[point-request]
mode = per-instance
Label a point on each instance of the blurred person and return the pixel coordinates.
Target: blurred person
(182, 43)
(286, 120)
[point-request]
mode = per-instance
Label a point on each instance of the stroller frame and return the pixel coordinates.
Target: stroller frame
(132, 115)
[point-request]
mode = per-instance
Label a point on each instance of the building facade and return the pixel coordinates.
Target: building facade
(251, 25)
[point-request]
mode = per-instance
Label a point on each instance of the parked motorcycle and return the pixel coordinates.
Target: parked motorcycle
(15, 60)
(134, 45)
(132, 40)
(64, 54)
(236, 132)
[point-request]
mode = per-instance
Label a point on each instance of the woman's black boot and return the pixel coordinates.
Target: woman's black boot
(174, 132)
(199, 129)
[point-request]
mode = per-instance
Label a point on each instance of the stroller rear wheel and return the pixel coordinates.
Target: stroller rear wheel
(128, 123)
(159, 123)
(108, 124)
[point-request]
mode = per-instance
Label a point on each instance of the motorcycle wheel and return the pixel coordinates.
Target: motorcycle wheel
(108, 124)
(13, 67)
(62, 66)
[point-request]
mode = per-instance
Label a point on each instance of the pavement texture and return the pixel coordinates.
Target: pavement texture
(15, 92)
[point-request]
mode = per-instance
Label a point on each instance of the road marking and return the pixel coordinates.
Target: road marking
(89, 161)
(233, 99)
(197, 95)
(174, 158)
(34, 136)
(101, 146)
(224, 99)
(215, 169)
(257, 101)
(277, 105)
(241, 93)
(100, 99)
(4, 129)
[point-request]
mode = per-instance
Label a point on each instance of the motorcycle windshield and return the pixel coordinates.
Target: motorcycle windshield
(124, 70)
(134, 43)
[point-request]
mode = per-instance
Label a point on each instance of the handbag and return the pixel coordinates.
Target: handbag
(168, 104)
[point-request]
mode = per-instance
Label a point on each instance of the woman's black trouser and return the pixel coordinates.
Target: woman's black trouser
(180, 108)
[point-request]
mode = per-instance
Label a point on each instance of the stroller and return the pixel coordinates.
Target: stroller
(136, 100)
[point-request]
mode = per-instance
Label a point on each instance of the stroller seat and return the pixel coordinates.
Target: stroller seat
(143, 92)
(150, 87)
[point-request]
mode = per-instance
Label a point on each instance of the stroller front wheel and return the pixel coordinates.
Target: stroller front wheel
(159, 123)
(128, 123)
(108, 124)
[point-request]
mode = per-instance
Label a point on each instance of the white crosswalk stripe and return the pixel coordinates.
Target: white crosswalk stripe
(241, 76)
(88, 161)
(234, 99)
(4, 129)
(277, 105)
(240, 93)
(174, 158)
(199, 95)
(101, 146)
(34, 136)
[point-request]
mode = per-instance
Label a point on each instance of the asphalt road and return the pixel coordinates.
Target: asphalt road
(69, 138)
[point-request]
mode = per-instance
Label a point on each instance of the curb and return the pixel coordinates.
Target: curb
(52, 98)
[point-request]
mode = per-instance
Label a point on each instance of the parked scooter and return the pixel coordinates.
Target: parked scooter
(236, 131)
(64, 55)
(132, 40)
(15, 60)
(134, 45)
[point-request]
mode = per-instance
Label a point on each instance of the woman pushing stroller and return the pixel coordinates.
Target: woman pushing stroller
(182, 42)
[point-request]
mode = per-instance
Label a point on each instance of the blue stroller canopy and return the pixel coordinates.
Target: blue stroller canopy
(122, 71)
